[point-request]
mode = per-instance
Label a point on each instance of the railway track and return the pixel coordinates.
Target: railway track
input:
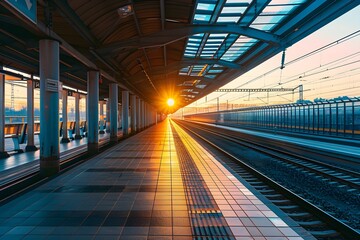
(318, 222)
(339, 177)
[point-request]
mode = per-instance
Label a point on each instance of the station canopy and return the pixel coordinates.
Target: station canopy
(157, 49)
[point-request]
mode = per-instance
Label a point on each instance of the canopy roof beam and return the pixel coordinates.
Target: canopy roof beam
(172, 35)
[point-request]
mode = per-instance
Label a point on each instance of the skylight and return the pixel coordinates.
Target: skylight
(205, 6)
(275, 13)
(230, 47)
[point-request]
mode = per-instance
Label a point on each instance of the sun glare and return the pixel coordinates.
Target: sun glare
(170, 102)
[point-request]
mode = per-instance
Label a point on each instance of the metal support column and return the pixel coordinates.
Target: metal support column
(301, 93)
(30, 117)
(102, 123)
(65, 138)
(3, 153)
(133, 114)
(125, 112)
(138, 114)
(146, 122)
(93, 111)
(119, 115)
(49, 107)
(156, 117)
(113, 104)
(77, 116)
(142, 114)
(108, 119)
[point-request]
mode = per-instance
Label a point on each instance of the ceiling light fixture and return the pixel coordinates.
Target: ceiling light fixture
(125, 11)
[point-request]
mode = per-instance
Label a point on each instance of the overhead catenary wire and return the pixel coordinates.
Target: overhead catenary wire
(318, 50)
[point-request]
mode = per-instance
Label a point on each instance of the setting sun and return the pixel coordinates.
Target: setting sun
(170, 102)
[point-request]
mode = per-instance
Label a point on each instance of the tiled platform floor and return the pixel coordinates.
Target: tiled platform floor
(18, 159)
(158, 184)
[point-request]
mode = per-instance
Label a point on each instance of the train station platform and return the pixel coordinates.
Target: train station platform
(17, 164)
(158, 184)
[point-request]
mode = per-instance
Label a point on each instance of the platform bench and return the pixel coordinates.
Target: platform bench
(83, 129)
(17, 132)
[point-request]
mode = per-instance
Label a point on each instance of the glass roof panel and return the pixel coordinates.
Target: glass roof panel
(213, 44)
(205, 6)
(229, 47)
(268, 19)
(191, 55)
(287, 1)
(239, 1)
(234, 10)
(210, 76)
(193, 44)
(206, 55)
(274, 13)
(219, 35)
(201, 86)
(278, 9)
(202, 17)
(206, 48)
(194, 40)
(240, 46)
(233, 19)
(215, 71)
(264, 27)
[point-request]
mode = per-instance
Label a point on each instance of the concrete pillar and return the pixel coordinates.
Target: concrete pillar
(65, 138)
(149, 115)
(133, 114)
(30, 117)
(3, 153)
(147, 110)
(156, 117)
(92, 111)
(49, 107)
(141, 124)
(146, 120)
(125, 112)
(119, 115)
(102, 123)
(108, 119)
(143, 114)
(138, 115)
(113, 104)
(77, 116)
(152, 116)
